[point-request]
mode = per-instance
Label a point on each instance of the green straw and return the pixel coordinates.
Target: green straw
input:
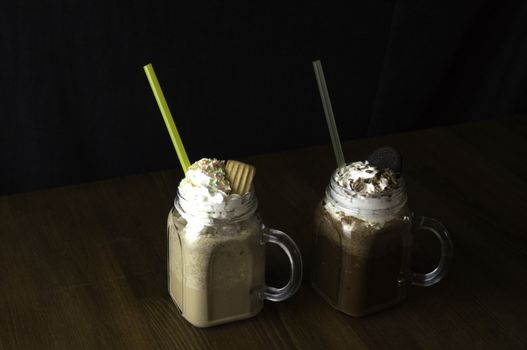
(328, 111)
(167, 116)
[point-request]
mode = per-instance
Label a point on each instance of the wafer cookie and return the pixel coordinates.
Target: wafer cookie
(240, 175)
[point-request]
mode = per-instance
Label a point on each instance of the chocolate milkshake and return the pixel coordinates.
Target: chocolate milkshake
(216, 246)
(363, 240)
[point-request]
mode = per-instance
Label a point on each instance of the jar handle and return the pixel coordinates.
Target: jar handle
(295, 259)
(437, 274)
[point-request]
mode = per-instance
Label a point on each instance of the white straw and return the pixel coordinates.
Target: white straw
(328, 111)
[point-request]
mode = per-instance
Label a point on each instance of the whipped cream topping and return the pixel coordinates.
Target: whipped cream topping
(363, 178)
(205, 191)
(365, 192)
(205, 181)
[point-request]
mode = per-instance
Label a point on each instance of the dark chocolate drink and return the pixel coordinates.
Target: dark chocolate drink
(362, 247)
(361, 268)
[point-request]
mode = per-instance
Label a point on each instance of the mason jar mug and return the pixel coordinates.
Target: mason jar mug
(216, 260)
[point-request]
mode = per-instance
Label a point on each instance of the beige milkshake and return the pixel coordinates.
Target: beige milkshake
(223, 272)
(216, 247)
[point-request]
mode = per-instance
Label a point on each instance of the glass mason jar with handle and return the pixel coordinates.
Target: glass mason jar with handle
(216, 260)
(363, 249)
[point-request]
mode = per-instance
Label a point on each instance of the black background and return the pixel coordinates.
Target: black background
(75, 104)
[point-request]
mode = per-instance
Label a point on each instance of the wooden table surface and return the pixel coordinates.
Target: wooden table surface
(84, 267)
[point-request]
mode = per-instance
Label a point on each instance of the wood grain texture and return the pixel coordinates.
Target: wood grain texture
(84, 267)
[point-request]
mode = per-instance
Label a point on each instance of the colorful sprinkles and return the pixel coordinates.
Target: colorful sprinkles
(215, 169)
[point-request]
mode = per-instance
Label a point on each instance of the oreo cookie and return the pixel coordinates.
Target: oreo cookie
(386, 157)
